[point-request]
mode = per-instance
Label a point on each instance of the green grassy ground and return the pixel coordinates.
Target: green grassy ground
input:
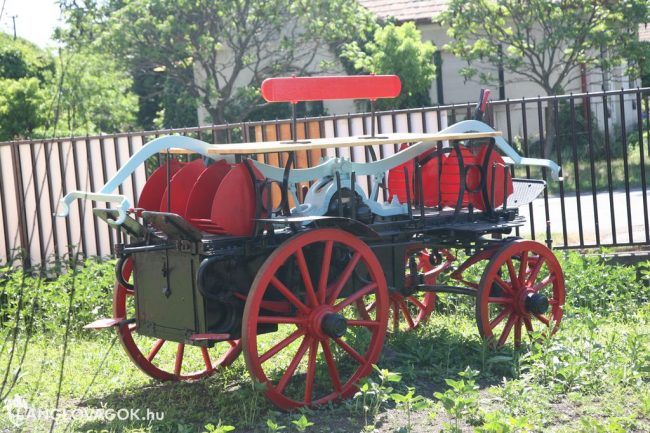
(593, 376)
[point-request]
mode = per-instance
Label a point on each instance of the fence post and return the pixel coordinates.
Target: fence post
(20, 205)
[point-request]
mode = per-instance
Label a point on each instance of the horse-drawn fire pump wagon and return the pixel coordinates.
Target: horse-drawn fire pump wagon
(226, 253)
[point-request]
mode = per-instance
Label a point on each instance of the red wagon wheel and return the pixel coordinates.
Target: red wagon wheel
(315, 349)
(409, 311)
(521, 288)
(158, 358)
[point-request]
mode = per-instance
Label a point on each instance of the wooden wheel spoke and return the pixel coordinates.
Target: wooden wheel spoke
(353, 353)
(311, 371)
(395, 310)
(533, 274)
(507, 329)
(324, 271)
(407, 314)
(502, 315)
(178, 364)
(500, 300)
(504, 285)
(518, 332)
(287, 294)
(206, 358)
(514, 281)
(331, 365)
(306, 278)
(281, 320)
(281, 345)
(355, 296)
(545, 282)
(155, 349)
(415, 301)
(542, 319)
(529, 325)
(286, 377)
(366, 323)
(523, 268)
(344, 277)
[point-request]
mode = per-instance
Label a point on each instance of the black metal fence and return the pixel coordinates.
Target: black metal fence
(599, 139)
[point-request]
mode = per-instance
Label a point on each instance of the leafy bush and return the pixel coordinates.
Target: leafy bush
(37, 303)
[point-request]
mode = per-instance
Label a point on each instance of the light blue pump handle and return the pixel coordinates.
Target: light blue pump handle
(153, 147)
(378, 168)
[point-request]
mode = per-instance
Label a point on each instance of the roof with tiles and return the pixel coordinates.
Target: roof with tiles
(405, 10)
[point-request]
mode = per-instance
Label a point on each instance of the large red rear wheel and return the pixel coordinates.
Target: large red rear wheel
(304, 296)
(522, 288)
(161, 359)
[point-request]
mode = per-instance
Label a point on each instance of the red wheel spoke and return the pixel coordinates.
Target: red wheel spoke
(281, 345)
(533, 275)
(345, 276)
(179, 359)
(324, 271)
(286, 377)
(281, 320)
(366, 323)
(331, 365)
(545, 282)
(353, 353)
(416, 302)
(529, 325)
(407, 314)
(514, 282)
(518, 332)
(306, 278)
(506, 330)
(206, 358)
(311, 371)
(500, 300)
(502, 315)
(542, 319)
(395, 310)
(355, 296)
(523, 268)
(287, 294)
(504, 285)
(154, 350)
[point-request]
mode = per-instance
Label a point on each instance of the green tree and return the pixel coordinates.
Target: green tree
(89, 93)
(22, 59)
(398, 50)
(21, 107)
(543, 41)
(212, 49)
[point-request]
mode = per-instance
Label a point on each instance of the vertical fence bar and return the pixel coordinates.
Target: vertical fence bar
(576, 169)
(608, 155)
(524, 119)
(639, 118)
(37, 197)
(91, 175)
(5, 225)
(102, 153)
(510, 141)
(50, 193)
(20, 205)
(542, 149)
(626, 170)
(134, 185)
(565, 236)
(64, 190)
(592, 166)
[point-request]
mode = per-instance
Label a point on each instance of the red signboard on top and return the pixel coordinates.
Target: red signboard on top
(296, 89)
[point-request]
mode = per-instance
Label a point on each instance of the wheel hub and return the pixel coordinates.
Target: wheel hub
(334, 325)
(537, 303)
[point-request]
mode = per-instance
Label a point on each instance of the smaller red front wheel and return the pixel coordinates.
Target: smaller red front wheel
(522, 288)
(156, 357)
(301, 334)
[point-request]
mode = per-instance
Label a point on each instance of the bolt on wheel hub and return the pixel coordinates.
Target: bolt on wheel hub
(334, 325)
(537, 303)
